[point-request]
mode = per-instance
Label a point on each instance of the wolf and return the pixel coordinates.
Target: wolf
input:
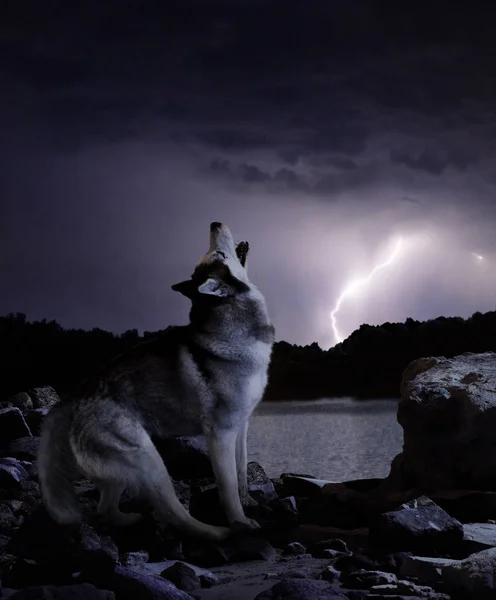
(204, 378)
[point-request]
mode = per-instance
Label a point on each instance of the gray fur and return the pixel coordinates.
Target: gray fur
(202, 378)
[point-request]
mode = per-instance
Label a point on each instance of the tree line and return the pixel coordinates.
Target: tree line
(369, 363)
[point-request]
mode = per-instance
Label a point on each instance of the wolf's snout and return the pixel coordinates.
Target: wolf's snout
(215, 225)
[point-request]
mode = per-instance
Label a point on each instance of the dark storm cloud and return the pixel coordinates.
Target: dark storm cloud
(301, 81)
(434, 162)
(126, 124)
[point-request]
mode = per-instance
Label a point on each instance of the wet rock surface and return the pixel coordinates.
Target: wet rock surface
(319, 539)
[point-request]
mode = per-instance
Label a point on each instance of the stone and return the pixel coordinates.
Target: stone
(330, 574)
(331, 544)
(285, 511)
(303, 486)
(310, 533)
(473, 577)
(94, 547)
(404, 589)
(12, 473)
(354, 562)
(479, 536)
(22, 401)
(44, 397)
(34, 419)
(7, 519)
(467, 505)
(128, 584)
(40, 538)
(25, 448)
(207, 555)
(82, 591)
(424, 568)
(294, 548)
(259, 485)
(420, 526)
(448, 411)
(249, 548)
(301, 589)
(12, 425)
(182, 576)
(134, 560)
(363, 579)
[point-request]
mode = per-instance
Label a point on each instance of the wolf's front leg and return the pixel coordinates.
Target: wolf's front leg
(222, 449)
(241, 466)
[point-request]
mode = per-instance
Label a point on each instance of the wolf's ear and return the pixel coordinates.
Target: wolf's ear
(213, 287)
(186, 288)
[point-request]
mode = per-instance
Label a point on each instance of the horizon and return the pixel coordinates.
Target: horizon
(318, 133)
(145, 332)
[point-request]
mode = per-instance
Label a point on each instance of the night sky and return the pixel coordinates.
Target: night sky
(319, 130)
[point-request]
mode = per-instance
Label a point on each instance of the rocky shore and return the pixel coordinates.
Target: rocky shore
(426, 531)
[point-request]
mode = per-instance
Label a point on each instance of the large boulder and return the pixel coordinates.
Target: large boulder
(448, 414)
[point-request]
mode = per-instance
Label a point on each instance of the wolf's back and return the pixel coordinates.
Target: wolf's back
(57, 466)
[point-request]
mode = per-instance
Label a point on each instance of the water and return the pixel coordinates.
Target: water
(334, 439)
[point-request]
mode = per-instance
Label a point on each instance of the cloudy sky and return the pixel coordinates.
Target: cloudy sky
(320, 131)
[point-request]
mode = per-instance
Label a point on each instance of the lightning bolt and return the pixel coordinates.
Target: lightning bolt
(358, 283)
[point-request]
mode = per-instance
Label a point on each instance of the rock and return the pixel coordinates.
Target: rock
(182, 576)
(4, 540)
(207, 555)
(12, 473)
(363, 580)
(25, 448)
(12, 425)
(44, 397)
(92, 547)
(331, 544)
(82, 591)
(303, 486)
(301, 589)
(134, 560)
(479, 536)
(34, 419)
(340, 506)
(467, 505)
(22, 573)
(294, 548)
(7, 519)
(40, 538)
(473, 577)
(330, 574)
(404, 589)
(185, 457)
(448, 411)
(22, 401)
(425, 569)
(259, 485)
(249, 548)
(354, 562)
(285, 511)
(420, 526)
(128, 584)
(183, 493)
(309, 534)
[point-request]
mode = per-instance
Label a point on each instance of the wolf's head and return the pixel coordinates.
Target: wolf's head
(221, 272)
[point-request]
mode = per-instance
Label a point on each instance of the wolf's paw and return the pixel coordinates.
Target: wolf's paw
(245, 523)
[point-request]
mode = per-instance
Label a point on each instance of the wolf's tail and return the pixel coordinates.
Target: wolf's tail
(57, 467)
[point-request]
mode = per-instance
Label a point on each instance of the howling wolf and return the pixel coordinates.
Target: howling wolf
(202, 378)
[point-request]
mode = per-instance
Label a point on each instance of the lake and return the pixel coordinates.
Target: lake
(336, 439)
